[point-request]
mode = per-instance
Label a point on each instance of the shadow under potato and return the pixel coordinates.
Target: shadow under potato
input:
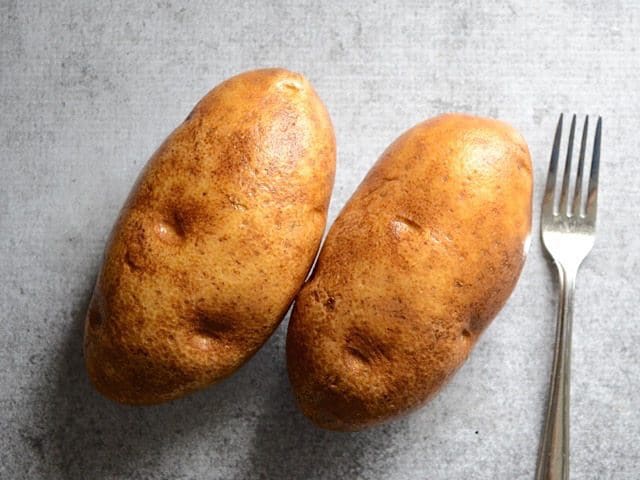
(251, 416)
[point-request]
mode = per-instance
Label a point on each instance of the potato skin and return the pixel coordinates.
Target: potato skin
(214, 240)
(419, 261)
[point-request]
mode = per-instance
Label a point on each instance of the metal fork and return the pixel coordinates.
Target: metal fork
(568, 233)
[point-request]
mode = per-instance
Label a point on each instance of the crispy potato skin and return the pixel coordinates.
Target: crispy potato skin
(214, 240)
(418, 263)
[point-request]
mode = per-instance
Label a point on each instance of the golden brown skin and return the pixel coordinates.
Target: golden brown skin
(214, 241)
(418, 263)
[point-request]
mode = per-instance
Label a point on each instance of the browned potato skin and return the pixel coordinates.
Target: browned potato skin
(214, 241)
(418, 263)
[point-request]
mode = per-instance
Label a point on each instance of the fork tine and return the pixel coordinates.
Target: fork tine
(578, 192)
(566, 180)
(592, 199)
(547, 201)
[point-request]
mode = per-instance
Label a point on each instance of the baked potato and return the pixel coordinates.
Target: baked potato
(214, 241)
(419, 261)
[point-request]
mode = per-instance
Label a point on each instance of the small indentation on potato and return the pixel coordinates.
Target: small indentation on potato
(172, 229)
(401, 224)
(132, 260)
(208, 329)
(291, 84)
(391, 178)
(466, 333)
(178, 223)
(166, 233)
(365, 349)
(330, 303)
(358, 355)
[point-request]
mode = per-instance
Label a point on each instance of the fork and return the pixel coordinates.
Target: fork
(568, 233)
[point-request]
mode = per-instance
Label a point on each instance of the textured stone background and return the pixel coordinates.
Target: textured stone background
(89, 89)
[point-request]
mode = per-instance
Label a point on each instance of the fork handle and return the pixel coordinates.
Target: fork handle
(553, 459)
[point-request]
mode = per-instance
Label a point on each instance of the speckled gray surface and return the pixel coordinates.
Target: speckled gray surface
(89, 89)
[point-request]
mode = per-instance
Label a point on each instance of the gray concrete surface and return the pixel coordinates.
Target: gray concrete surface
(89, 89)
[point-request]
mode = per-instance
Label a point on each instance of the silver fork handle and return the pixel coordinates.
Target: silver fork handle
(553, 459)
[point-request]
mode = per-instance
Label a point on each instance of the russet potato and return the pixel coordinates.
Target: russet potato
(419, 261)
(214, 240)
